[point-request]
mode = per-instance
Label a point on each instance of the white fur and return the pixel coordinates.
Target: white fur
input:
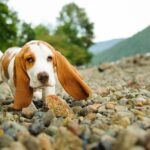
(37, 95)
(1, 54)
(12, 51)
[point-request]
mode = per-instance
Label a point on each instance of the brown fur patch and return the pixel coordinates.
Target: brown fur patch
(24, 92)
(28, 55)
(25, 53)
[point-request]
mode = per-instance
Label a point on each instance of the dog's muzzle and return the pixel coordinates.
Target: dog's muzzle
(43, 77)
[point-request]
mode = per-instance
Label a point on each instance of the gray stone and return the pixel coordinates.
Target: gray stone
(51, 130)
(31, 143)
(36, 128)
(48, 117)
(5, 141)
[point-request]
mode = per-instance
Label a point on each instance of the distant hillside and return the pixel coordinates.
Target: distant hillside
(139, 43)
(101, 46)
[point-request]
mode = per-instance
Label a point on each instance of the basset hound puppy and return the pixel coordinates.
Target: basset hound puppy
(32, 67)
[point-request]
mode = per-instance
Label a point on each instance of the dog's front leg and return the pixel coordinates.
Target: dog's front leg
(47, 91)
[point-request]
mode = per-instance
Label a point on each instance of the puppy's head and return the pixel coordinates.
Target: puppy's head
(38, 59)
(34, 68)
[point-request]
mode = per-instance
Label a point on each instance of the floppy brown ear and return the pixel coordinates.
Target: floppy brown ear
(70, 78)
(24, 93)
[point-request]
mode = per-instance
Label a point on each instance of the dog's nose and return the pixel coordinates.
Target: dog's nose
(43, 77)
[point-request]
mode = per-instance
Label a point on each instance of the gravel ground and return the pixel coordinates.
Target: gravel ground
(116, 117)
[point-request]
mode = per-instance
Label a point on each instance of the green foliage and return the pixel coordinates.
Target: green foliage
(74, 22)
(26, 34)
(8, 27)
(41, 32)
(137, 44)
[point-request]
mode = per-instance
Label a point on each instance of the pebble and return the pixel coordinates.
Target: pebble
(29, 111)
(148, 101)
(125, 121)
(128, 138)
(118, 95)
(51, 130)
(137, 148)
(110, 105)
(91, 116)
(85, 111)
(137, 112)
(31, 143)
(97, 131)
(121, 108)
(103, 91)
(5, 141)
(106, 143)
(147, 141)
(47, 118)
(69, 140)
(38, 115)
(6, 116)
(36, 128)
(123, 101)
(74, 128)
(94, 107)
(44, 142)
(13, 129)
(17, 146)
(97, 123)
(58, 122)
(139, 103)
(76, 109)
(81, 103)
(86, 122)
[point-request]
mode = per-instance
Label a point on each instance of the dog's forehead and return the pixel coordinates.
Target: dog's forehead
(40, 49)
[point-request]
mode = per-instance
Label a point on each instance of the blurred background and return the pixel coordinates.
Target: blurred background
(87, 32)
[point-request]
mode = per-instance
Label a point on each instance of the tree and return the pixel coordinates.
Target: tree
(8, 26)
(25, 33)
(74, 22)
(41, 32)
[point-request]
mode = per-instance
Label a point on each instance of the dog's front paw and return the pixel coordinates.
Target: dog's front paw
(11, 107)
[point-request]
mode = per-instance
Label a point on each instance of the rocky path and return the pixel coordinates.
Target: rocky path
(116, 117)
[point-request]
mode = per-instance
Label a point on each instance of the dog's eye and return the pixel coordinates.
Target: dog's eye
(30, 60)
(49, 58)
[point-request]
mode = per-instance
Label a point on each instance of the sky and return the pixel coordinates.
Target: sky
(112, 18)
